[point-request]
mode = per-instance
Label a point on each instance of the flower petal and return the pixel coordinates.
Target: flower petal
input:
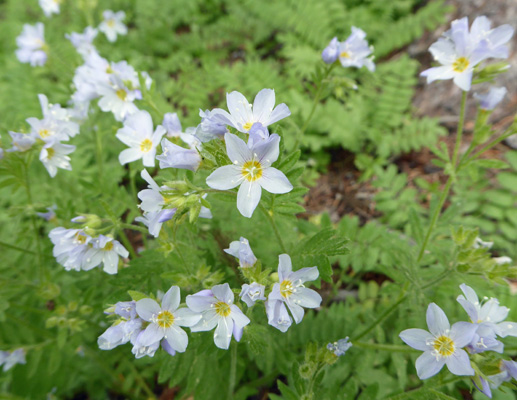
(240, 109)
(238, 317)
(223, 333)
(306, 274)
(263, 105)
(284, 266)
(437, 321)
(248, 197)
(416, 338)
(152, 334)
(225, 177)
(307, 298)
(223, 293)
(462, 333)
(427, 365)
(177, 338)
(237, 150)
(281, 111)
(146, 308)
(459, 363)
(186, 317)
(129, 155)
(171, 299)
(297, 312)
(199, 303)
(274, 181)
(267, 151)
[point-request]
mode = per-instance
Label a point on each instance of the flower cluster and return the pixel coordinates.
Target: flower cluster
(146, 323)
(353, 52)
(77, 250)
(460, 50)
(451, 346)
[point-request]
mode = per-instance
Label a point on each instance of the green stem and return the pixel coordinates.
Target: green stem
(310, 389)
(141, 382)
(275, 228)
(132, 227)
(10, 246)
(383, 316)
(445, 192)
(98, 154)
(493, 143)
(386, 347)
(233, 371)
(127, 243)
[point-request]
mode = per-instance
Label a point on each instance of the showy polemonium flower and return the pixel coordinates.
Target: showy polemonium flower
(242, 115)
(172, 124)
(138, 134)
(155, 219)
(49, 7)
(508, 371)
(210, 128)
(117, 98)
(251, 293)
(165, 320)
(104, 250)
(442, 346)
(21, 141)
(258, 134)
(488, 101)
(217, 309)
(112, 24)
(10, 358)
(355, 51)
(53, 155)
(340, 347)
(175, 156)
(488, 317)
(70, 246)
(83, 42)
(290, 291)
(242, 250)
(31, 45)
(331, 53)
(460, 50)
(251, 170)
(125, 329)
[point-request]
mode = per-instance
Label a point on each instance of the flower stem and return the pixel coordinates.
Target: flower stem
(233, 371)
(448, 185)
(127, 243)
(98, 154)
(385, 347)
(491, 144)
(275, 228)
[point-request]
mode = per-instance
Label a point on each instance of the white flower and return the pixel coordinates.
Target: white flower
(83, 42)
(138, 134)
(242, 250)
(251, 169)
(31, 45)
(117, 98)
(251, 293)
(155, 219)
(50, 7)
(53, 155)
(242, 115)
(21, 141)
(105, 250)
(10, 358)
(488, 101)
(70, 246)
(355, 51)
(112, 24)
(217, 309)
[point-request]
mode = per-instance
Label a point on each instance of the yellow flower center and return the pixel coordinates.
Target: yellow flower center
(165, 319)
(286, 288)
(444, 346)
(344, 54)
(110, 23)
(108, 246)
(222, 308)
(50, 153)
(247, 126)
(252, 170)
(109, 70)
(146, 145)
(80, 237)
(460, 65)
(121, 94)
(44, 133)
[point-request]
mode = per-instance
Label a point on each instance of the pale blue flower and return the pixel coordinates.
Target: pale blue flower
(70, 246)
(251, 293)
(494, 42)
(242, 250)
(443, 345)
(243, 115)
(290, 291)
(258, 134)
(105, 250)
(32, 48)
(155, 219)
(54, 155)
(165, 321)
(331, 53)
(172, 125)
(251, 170)
(21, 141)
(112, 24)
(49, 7)
(83, 42)
(119, 334)
(490, 100)
(10, 358)
(49, 215)
(175, 156)
(340, 347)
(210, 128)
(355, 51)
(508, 372)
(218, 311)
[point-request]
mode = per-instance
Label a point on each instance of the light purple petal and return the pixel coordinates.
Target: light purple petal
(223, 293)
(238, 317)
(427, 365)
(284, 266)
(281, 111)
(297, 312)
(437, 321)
(459, 363)
(186, 317)
(199, 303)
(464, 80)
(417, 338)
(240, 109)
(237, 150)
(171, 299)
(146, 308)
(307, 298)
(248, 197)
(224, 178)
(129, 155)
(274, 181)
(152, 334)
(267, 151)
(223, 333)
(462, 333)
(177, 338)
(507, 329)
(306, 274)
(263, 105)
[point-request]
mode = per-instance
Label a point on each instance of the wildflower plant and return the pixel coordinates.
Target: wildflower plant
(156, 226)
